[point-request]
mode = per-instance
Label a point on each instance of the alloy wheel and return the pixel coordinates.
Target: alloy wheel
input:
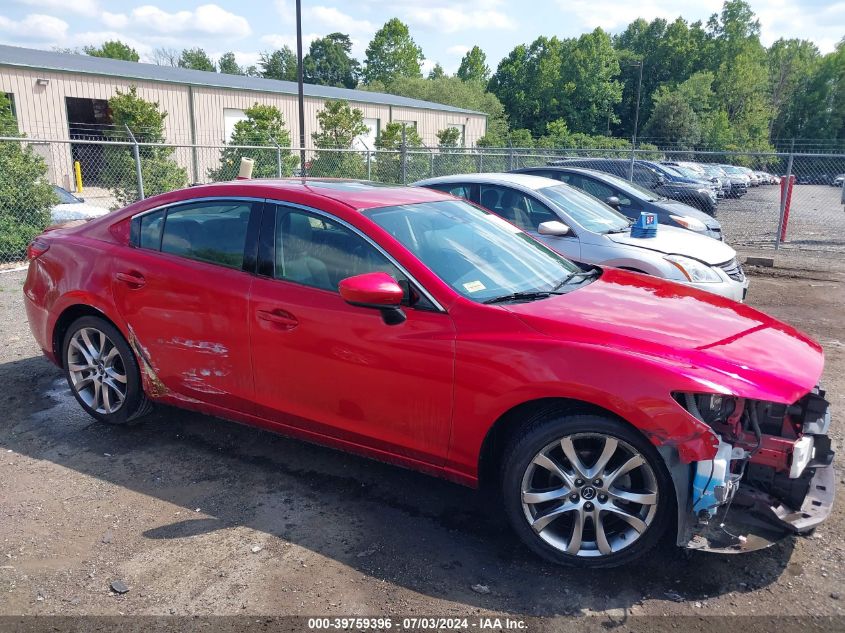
(97, 370)
(589, 494)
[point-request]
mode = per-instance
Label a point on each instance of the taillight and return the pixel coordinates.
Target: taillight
(36, 248)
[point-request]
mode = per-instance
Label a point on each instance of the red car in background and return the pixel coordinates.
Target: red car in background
(413, 327)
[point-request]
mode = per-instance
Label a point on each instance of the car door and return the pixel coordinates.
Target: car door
(182, 290)
(527, 212)
(339, 370)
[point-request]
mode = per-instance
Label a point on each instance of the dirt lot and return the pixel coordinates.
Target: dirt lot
(201, 516)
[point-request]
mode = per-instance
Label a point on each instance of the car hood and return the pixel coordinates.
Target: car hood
(679, 208)
(676, 241)
(75, 211)
(722, 344)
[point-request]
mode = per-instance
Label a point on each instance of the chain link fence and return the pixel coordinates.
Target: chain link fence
(757, 197)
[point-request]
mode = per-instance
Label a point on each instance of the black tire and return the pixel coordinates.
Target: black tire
(135, 403)
(538, 434)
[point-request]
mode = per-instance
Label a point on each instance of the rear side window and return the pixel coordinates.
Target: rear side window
(213, 232)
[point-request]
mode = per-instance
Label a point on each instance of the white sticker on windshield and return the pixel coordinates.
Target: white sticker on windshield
(474, 286)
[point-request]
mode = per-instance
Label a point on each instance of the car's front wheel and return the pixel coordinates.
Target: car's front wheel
(585, 490)
(102, 371)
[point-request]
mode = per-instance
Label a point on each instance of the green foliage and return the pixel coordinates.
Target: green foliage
(25, 194)
(437, 72)
(452, 91)
(264, 125)
(674, 117)
(474, 66)
(196, 59)
(113, 49)
(392, 53)
(388, 167)
(452, 159)
(229, 66)
(279, 64)
(329, 62)
(160, 172)
(339, 125)
(448, 137)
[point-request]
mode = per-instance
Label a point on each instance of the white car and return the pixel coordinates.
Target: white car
(585, 229)
(72, 208)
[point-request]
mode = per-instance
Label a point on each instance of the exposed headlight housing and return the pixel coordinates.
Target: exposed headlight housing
(693, 270)
(689, 223)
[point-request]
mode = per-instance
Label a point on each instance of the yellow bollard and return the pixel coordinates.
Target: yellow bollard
(77, 170)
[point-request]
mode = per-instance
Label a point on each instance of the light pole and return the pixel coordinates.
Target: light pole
(301, 93)
(636, 119)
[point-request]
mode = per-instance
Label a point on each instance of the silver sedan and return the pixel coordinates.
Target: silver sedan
(585, 229)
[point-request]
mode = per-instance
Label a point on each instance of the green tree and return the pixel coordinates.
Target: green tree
(25, 194)
(228, 65)
(437, 72)
(196, 59)
(673, 120)
(389, 162)
(474, 66)
(588, 81)
(329, 62)
(339, 125)
(264, 125)
(821, 109)
(452, 158)
(392, 53)
(160, 172)
(278, 64)
(454, 92)
(113, 49)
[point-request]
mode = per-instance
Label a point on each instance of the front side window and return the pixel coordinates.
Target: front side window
(515, 206)
(212, 232)
(474, 252)
(314, 251)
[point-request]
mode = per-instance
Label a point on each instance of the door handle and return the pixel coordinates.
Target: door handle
(136, 280)
(282, 318)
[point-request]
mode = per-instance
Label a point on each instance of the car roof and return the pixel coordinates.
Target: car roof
(356, 194)
(522, 180)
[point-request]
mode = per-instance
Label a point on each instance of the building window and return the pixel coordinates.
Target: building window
(230, 117)
(367, 141)
(412, 124)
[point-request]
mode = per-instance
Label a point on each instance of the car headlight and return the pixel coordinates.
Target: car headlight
(689, 223)
(693, 270)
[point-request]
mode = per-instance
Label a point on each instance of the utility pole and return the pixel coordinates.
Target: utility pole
(301, 89)
(636, 119)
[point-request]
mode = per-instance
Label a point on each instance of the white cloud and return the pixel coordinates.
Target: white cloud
(84, 7)
(615, 15)
(276, 40)
(286, 10)
(209, 19)
(334, 20)
(458, 50)
(449, 20)
(95, 38)
(788, 19)
(114, 20)
(426, 66)
(35, 27)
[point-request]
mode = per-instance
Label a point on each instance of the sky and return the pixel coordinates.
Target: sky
(445, 29)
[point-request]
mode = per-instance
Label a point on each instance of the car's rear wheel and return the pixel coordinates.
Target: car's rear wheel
(585, 490)
(102, 372)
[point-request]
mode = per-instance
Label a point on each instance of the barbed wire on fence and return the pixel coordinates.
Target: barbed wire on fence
(111, 172)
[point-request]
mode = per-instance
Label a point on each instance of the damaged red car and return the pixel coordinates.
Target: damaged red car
(607, 408)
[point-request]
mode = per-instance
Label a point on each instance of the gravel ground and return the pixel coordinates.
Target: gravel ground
(201, 516)
(816, 219)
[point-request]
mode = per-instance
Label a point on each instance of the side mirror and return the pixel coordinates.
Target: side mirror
(553, 227)
(375, 290)
(661, 179)
(613, 201)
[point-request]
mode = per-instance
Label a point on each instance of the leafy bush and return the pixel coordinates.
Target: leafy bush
(25, 194)
(339, 125)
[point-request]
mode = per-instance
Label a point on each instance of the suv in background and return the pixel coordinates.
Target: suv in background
(646, 174)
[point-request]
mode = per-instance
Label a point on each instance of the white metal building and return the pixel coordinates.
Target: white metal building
(63, 96)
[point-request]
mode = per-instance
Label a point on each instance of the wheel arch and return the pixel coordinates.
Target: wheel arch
(70, 314)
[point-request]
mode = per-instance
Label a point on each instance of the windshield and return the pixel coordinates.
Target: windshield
(477, 253)
(65, 197)
(686, 171)
(712, 170)
(630, 188)
(585, 210)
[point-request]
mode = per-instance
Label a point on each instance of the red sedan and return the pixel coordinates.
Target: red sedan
(415, 328)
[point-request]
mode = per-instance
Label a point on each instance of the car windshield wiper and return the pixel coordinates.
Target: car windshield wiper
(586, 274)
(528, 295)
